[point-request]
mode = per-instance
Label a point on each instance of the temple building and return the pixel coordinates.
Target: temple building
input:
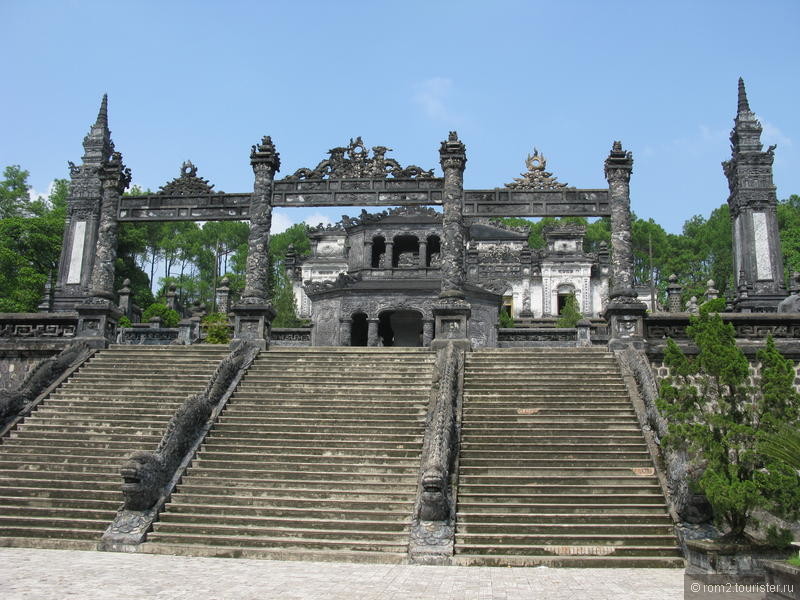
(371, 280)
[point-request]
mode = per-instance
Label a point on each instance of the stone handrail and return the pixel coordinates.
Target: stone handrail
(39, 382)
(150, 477)
(755, 326)
(434, 513)
(38, 327)
(149, 336)
(290, 336)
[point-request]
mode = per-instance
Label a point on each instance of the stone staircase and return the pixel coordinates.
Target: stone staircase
(553, 468)
(316, 456)
(59, 469)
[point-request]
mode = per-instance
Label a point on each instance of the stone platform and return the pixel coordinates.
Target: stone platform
(59, 574)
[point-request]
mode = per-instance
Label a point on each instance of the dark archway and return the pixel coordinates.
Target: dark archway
(378, 248)
(434, 248)
(401, 328)
(359, 330)
(406, 251)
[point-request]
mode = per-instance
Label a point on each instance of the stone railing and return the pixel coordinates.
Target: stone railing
(150, 477)
(148, 336)
(402, 273)
(433, 531)
(290, 336)
(748, 326)
(520, 337)
(38, 327)
(40, 381)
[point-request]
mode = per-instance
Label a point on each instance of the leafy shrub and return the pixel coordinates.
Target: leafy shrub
(125, 321)
(169, 317)
(506, 320)
(217, 328)
(570, 315)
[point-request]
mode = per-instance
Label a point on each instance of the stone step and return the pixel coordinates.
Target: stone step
(474, 493)
(409, 434)
(18, 503)
(213, 448)
(530, 477)
(274, 470)
(267, 525)
(41, 513)
(77, 444)
(288, 499)
(503, 486)
(387, 532)
(381, 421)
(612, 542)
(562, 519)
(552, 560)
(283, 410)
(306, 480)
(351, 399)
(287, 514)
(398, 545)
(521, 530)
(301, 461)
(82, 530)
(523, 506)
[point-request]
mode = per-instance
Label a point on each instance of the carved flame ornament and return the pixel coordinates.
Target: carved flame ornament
(536, 178)
(188, 184)
(354, 162)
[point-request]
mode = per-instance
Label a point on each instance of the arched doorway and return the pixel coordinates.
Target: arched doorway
(564, 291)
(401, 328)
(359, 330)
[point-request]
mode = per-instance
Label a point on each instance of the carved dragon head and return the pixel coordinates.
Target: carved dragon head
(142, 475)
(433, 500)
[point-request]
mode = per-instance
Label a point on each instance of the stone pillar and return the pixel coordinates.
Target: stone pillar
(367, 262)
(124, 294)
(345, 330)
(674, 290)
(372, 332)
(172, 297)
(453, 158)
(624, 313)
(584, 335)
(712, 293)
(224, 296)
(423, 251)
(388, 261)
(427, 332)
(618, 169)
(254, 313)
(757, 256)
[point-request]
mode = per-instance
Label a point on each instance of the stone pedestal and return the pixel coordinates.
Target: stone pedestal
(427, 332)
(253, 323)
(345, 331)
(452, 319)
(97, 322)
(583, 337)
(372, 332)
(625, 318)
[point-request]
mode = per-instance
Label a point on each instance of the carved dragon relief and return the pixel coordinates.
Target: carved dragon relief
(354, 162)
(536, 177)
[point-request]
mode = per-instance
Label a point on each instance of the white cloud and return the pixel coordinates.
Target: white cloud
(280, 222)
(773, 135)
(317, 219)
(431, 95)
(35, 195)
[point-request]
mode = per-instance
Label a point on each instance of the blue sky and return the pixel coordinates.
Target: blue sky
(205, 80)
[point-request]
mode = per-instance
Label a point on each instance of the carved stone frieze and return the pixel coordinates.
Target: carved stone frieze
(354, 162)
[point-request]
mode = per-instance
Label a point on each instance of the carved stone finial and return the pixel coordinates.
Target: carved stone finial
(619, 162)
(265, 154)
(673, 278)
(188, 184)
(743, 104)
(536, 178)
(102, 115)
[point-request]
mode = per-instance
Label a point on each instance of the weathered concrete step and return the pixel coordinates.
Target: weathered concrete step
(37, 503)
(510, 485)
(77, 409)
(396, 534)
(56, 470)
(34, 460)
(315, 377)
(525, 476)
(617, 541)
(91, 374)
(45, 530)
(574, 449)
(291, 542)
(195, 548)
(319, 480)
(85, 483)
(561, 531)
(357, 370)
(620, 425)
(110, 421)
(375, 493)
(529, 388)
(369, 420)
(511, 463)
(570, 417)
(504, 411)
(377, 350)
(537, 433)
(468, 496)
(270, 524)
(303, 470)
(131, 386)
(33, 426)
(193, 350)
(63, 492)
(339, 500)
(489, 399)
(568, 379)
(351, 399)
(280, 438)
(622, 518)
(317, 433)
(302, 461)
(466, 557)
(482, 505)
(322, 411)
(76, 445)
(221, 448)
(376, 387)
(290, 514)
(41, 513)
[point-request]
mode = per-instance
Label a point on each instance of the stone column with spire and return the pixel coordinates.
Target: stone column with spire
(624, 313)
(254, 312)
(74, 281)
(757, 258)
(451, 310)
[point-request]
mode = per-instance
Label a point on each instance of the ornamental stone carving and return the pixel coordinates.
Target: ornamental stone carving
(187, 184)
(536, 177)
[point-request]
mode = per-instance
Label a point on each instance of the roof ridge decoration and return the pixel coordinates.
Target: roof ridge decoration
(536, 178)
(564, 228)
(400, 211)
(498, 224)
(188, 184)
(354, 162)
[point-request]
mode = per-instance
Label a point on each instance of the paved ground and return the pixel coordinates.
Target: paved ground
(72, 574)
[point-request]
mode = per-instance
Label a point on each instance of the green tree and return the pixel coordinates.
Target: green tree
(569, 315)
(296, 238)
(789, 228)
(716, 416)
